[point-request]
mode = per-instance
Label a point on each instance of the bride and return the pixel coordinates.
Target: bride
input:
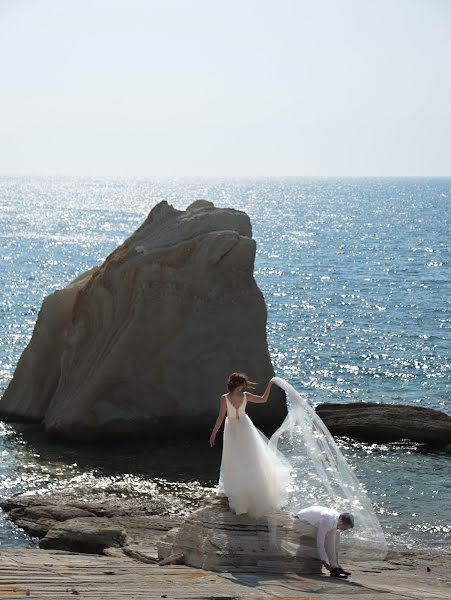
(254, 475)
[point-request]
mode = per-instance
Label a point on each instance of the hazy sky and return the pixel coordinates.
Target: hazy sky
(225, 87)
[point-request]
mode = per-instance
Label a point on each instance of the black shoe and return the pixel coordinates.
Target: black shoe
(338, 572)
(343, 571)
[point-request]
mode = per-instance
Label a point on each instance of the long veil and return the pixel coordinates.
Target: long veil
(322, 476)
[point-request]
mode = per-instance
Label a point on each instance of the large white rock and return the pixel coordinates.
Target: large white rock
(143, 344)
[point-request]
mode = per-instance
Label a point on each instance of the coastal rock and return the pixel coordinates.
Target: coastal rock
(143, 344)
(37, 514)
(39, 368)
(51, 574)
(43, 516)
(37, 528)
(50, 513)
(37, 520)
(91, 535)
(373, 422)
(215, 539)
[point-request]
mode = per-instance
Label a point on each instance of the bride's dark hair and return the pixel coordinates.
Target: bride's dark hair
(236, 379)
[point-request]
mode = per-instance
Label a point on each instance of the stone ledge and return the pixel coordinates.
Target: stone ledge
(215, 539)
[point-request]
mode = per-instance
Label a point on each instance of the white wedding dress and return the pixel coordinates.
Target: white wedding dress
(254, 476)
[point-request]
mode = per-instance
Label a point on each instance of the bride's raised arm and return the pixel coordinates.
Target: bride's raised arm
(260, 399)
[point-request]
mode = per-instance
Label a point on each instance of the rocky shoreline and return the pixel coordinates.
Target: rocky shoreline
(211, 537)
(61, 522)
(50, 574)
(83, 542)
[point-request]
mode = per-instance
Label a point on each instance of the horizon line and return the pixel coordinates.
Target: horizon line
(155, 176)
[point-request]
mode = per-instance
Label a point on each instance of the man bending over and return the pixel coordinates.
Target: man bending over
(325, 524)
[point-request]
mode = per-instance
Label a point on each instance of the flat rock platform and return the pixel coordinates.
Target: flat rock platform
(55, 574)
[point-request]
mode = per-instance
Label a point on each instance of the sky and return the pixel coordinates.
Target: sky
(225, 88)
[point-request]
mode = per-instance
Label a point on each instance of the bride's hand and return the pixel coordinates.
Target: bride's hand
(212, 440)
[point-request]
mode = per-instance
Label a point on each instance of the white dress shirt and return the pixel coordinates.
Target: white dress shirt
(325, 520)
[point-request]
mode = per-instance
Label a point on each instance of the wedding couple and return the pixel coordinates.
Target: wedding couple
(256, 476)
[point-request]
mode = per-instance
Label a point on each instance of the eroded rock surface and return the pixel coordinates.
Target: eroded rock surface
(63, 523)
(143, 344)
(91, 535)
(212, 537)
(215, 539)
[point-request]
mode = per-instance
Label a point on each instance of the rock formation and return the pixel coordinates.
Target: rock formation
(373, 422)
(64, 523)
(215, 539)
(88, 535)
(143, 344)
(39, 368)
(211, 538)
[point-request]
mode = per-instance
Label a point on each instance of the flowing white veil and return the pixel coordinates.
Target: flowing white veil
(322, 476)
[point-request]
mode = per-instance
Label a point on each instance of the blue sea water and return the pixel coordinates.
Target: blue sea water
(356, 278)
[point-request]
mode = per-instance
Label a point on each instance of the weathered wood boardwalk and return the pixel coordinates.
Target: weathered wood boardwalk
(59, 575)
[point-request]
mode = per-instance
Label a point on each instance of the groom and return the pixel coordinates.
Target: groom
(325, 524)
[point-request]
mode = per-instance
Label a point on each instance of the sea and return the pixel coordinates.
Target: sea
(355, 273)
